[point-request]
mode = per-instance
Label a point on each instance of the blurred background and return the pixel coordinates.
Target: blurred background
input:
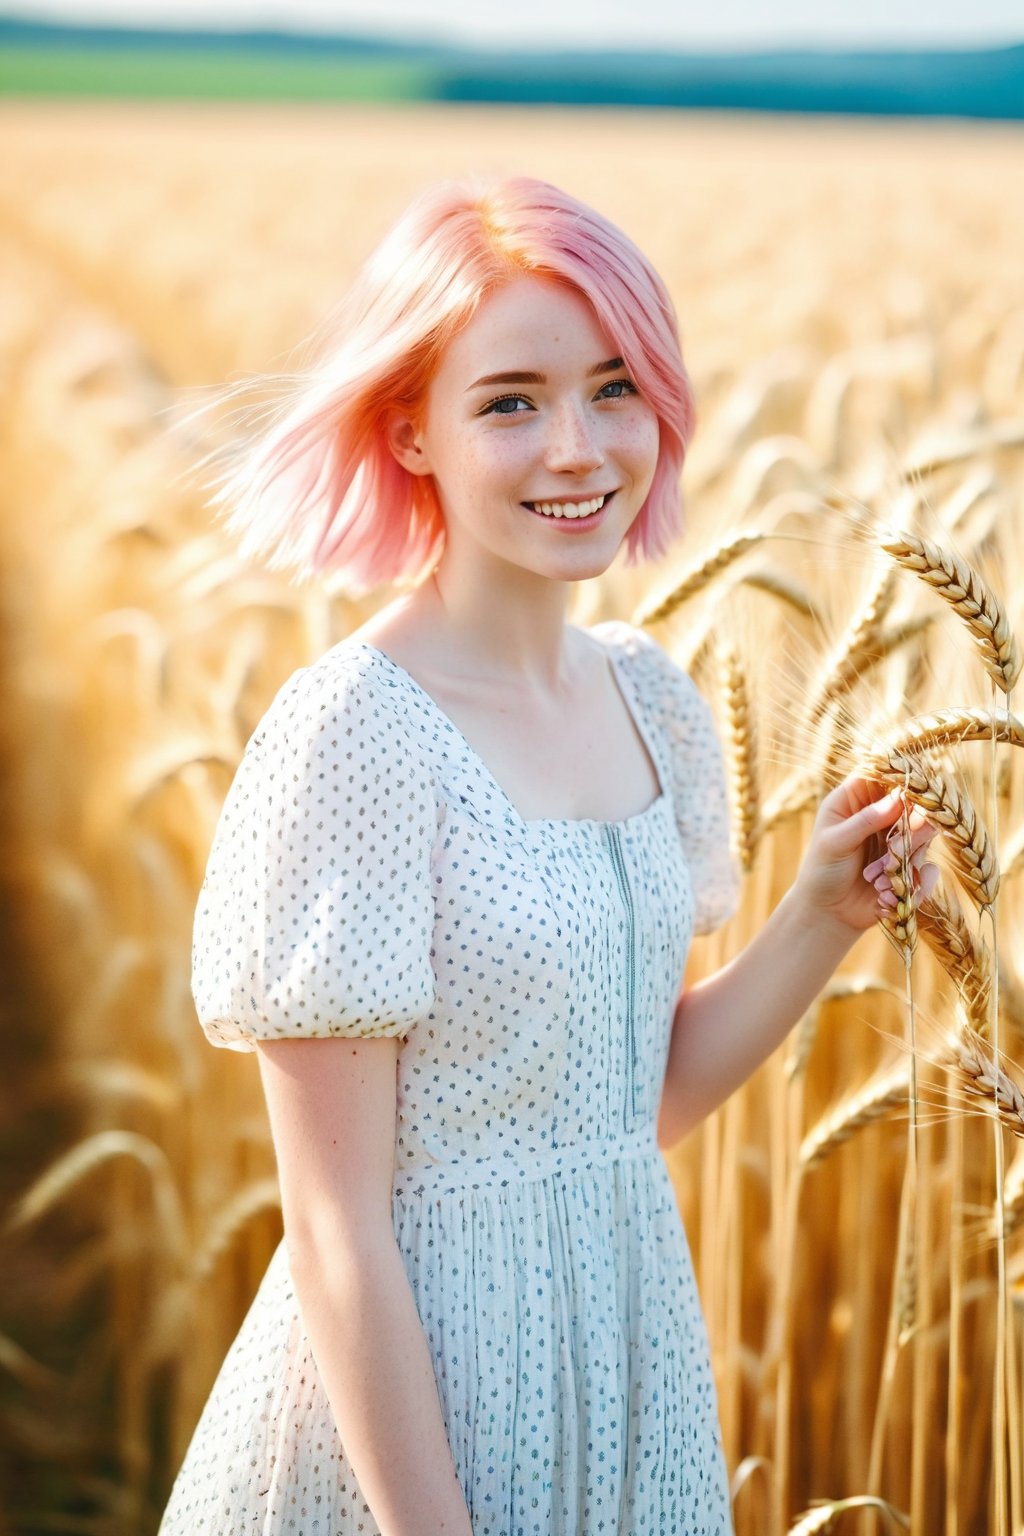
(834, 201)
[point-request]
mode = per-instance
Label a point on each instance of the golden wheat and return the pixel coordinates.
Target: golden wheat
(858, 647)
(899, 922)
(875, 1101)
(142, 652)
(948, 806)
(741, 736)
(956, 450)
(786, 588)
(698, 577)
(957, 582)
(965, 958)
(823, 1518)
(984, 1080)
(954, 727)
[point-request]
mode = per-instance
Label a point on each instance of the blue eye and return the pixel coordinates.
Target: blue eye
(624, 386)
(496, 406)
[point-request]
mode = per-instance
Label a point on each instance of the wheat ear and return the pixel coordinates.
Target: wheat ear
(965, 958)
(857, 647)
(823, 1517)
(958, 449)
(884, 1093)
(743, 776)
(983, 1078)
(694, 580)
(799, 794)
(951, 727)
(781, 585)
(899, 923)
(971, 852)
(957, 582)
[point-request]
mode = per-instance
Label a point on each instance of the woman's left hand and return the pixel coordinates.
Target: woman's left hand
(837, 879)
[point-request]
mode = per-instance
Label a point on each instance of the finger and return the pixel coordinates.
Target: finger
(919, 859)
(929, 880)
(920, 838)
(848, 833)
(887, 899)
(898, 845)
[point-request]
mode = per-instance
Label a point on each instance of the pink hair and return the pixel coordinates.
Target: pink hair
(320, 489)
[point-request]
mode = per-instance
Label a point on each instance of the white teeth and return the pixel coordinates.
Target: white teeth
(569, 508)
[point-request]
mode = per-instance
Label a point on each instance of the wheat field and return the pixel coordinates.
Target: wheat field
(848, 591)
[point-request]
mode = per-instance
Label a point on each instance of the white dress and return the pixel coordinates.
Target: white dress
(368, 876)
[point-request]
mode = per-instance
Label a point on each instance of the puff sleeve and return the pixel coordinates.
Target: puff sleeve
(315, 916)
(697, 785)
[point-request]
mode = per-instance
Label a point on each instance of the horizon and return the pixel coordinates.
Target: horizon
(597, 26)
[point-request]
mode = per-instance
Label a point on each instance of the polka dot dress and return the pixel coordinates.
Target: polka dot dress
(368, 876)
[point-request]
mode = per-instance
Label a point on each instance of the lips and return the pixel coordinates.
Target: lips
(576, 509)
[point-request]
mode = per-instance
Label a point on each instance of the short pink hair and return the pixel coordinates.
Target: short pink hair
(319, 489)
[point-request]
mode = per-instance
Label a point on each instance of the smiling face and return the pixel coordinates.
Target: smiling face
(541, 447)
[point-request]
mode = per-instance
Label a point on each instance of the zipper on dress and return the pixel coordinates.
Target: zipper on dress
(619, 865)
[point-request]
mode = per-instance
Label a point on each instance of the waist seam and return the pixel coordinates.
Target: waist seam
(526, 1168)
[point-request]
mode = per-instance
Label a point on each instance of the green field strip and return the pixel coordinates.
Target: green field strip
(221, 75)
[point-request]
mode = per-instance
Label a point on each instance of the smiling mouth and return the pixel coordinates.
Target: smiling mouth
(574, 510)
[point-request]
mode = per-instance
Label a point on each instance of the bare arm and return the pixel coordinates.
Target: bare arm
(332, 1105)
(725, 1026)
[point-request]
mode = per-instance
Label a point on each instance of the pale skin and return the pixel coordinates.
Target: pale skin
(487, 637)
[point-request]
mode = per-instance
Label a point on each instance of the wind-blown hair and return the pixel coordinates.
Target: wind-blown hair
(318, 488)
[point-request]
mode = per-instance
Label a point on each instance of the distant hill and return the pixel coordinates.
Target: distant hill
(40, 58)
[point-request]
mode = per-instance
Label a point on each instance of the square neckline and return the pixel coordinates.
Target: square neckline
(628, 697)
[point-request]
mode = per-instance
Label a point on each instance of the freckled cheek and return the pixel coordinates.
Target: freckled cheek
(638, 445)
(503, 465)
(495, 470)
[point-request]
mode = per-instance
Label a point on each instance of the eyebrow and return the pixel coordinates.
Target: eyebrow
(611, 366)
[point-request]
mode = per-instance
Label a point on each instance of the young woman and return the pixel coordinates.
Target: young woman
(449, 902)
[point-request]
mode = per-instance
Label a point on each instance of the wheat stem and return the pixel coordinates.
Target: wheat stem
(698, 577)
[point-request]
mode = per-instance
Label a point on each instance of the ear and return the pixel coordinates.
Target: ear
(403, 439)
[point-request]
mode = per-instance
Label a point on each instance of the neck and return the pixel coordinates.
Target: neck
(518, 639)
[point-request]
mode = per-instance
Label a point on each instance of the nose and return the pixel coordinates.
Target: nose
(572, 444)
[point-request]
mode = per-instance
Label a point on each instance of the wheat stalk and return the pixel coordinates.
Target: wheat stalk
(1014, 860)
(899, 922)
(878, 1098)
(1011, 999)
(965, 958)
(742, 735)
(957, 582)
(1013, 1202)
(971, 852)
(839, 989)
(255, 1198)
(983, 1078)
(953, 727)
(698, 577)
(64, 1176)
(906, 1284)
(783, 586)
(995, 435)
(799, 794)
(823, 1517)
(858, 646)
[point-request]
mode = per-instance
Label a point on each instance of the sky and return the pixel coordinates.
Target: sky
(728, 24)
